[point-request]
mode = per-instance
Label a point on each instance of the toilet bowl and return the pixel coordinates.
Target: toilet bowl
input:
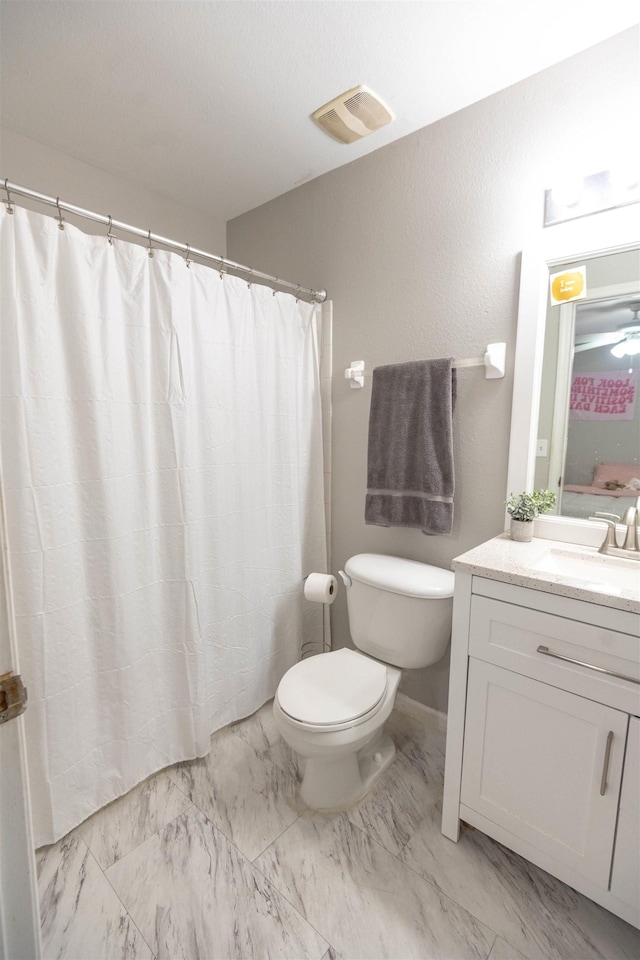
(338, 730)
(331, 708)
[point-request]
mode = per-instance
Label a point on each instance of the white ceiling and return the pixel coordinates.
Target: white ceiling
(602, 316)
(209, 103)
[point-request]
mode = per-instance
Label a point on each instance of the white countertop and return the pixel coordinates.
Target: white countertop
(511, 562)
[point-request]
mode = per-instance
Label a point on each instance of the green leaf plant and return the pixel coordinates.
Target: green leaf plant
(527, 506)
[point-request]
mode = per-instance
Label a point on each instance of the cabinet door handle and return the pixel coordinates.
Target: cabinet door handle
(605, 765)
(590, 666)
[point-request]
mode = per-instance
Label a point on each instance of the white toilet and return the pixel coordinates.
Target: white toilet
(331, 708)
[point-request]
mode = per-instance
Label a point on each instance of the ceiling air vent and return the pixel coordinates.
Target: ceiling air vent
(353, 115)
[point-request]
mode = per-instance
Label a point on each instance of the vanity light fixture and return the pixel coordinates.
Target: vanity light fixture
(567, 192)
(579, 197)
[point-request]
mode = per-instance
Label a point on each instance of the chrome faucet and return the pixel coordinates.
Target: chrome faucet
(630, 520)
(609, 546)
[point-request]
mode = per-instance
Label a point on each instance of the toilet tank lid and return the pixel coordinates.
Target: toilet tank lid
(398, 575)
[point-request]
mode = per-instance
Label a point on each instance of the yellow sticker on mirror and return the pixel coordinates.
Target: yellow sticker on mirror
(568, 285)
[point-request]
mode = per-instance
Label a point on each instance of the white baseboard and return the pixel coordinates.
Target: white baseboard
(413, 708)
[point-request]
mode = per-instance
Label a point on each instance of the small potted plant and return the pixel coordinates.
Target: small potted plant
(523, 510)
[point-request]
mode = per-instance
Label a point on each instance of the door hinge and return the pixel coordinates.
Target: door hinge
(13, 697)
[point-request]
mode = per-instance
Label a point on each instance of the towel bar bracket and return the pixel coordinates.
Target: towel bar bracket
(355, 374)
(495, 361)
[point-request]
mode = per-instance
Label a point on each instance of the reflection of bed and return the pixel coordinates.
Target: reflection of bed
(585, 501)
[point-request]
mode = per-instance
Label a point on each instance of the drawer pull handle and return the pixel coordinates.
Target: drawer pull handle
(589, 666)
(605, 765)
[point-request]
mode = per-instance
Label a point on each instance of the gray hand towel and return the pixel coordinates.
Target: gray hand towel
(410, 467)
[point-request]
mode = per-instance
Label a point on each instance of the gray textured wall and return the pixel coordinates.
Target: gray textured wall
(418, 245)
(42, 168)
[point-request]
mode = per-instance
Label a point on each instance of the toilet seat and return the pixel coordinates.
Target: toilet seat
(333, 690)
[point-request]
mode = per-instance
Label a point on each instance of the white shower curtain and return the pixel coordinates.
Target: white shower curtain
(161, 458)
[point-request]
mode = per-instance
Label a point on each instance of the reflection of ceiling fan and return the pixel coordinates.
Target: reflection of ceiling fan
(626, 338)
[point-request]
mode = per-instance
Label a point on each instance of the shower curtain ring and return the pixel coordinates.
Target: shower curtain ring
(110, 236)
(187, 262)
(60, 217)
(221, 270)
(275, 290)
(250, 275)
(297, 293)
(150, 250)
(8, 200)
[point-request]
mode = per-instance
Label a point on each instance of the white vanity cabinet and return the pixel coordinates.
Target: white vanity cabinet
(534, 760)
(625, 875)
(543, 740)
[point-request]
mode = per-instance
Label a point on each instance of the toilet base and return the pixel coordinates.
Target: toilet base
(333, 784)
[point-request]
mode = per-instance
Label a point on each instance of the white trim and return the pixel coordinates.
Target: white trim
(457, 705)
(594, 236)
(19, 912)
(564, 364)
(420, 711)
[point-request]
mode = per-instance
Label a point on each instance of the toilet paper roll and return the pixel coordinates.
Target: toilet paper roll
(320, 588)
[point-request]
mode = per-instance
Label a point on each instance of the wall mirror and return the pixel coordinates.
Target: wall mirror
(570, 440)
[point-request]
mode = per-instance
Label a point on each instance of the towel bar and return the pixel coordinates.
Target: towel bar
(494, 362)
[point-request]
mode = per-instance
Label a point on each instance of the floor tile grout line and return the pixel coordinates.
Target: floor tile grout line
(495, 940)
(221, 829)
(117, 895)
(253, 866)
(460, 905)
(408, 866)
(78, 829)
(265, 754)
(281, 834)
(240, 854)
(403, 845)
(287, 900)
(260, 754)
(125, 796)
(440, 892)
(232, 841)
(149, 837)
(177, 785)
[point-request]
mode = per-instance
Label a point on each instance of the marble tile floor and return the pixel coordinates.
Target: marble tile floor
(218, 858)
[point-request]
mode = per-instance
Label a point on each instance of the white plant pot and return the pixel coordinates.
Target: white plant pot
(521, 530)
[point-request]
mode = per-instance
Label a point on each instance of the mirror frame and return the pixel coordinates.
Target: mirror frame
(600, 234)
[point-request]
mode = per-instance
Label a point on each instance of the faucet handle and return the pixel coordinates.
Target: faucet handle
(631, 538)
(610, 535)
(611, 516)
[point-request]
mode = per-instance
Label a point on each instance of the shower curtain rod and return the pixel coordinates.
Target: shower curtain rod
(319, 296)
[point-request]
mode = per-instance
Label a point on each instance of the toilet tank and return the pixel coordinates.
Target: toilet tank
(399, 610)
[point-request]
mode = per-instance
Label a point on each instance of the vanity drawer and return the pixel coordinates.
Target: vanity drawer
(510, 636)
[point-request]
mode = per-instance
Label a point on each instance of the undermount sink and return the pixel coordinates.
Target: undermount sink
(599, 573)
